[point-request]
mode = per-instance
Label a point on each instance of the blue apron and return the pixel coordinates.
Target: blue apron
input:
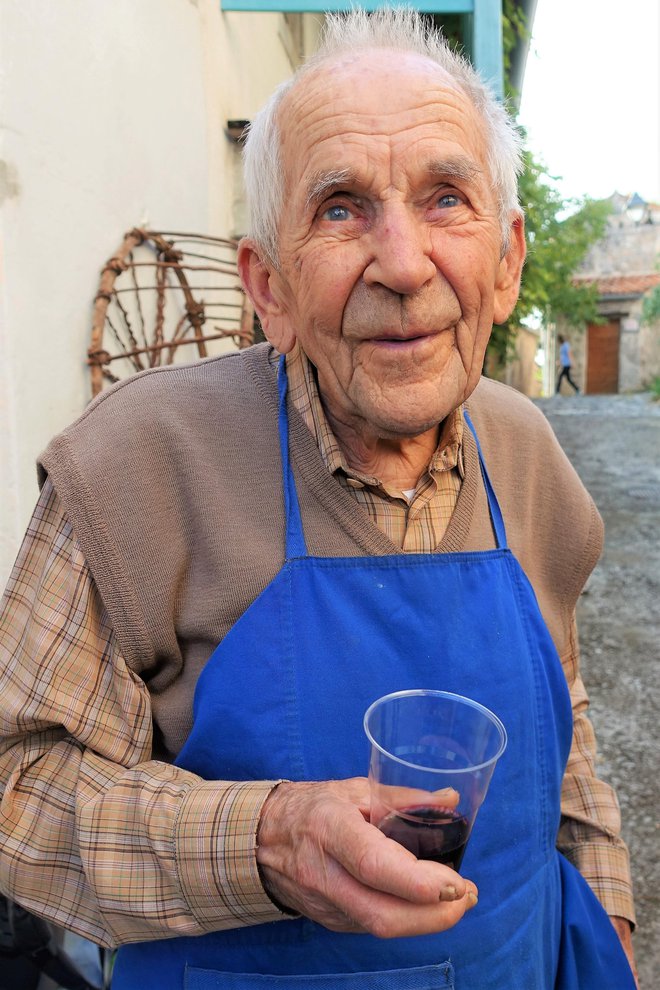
(284, 694)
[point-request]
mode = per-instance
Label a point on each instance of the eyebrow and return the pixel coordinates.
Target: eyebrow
(460, 167)
(322, 184)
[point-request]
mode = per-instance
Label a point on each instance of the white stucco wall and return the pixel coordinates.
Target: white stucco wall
(112, 115)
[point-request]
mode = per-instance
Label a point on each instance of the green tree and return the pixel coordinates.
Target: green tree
(651, 304)
(559, 231)
(559, 234)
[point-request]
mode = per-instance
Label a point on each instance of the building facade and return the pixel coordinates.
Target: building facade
(621, 353)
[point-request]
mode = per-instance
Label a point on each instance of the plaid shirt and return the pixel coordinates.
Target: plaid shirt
(83, 794)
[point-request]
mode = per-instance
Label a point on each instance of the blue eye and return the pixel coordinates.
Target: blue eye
(337, 212)
(448, 200)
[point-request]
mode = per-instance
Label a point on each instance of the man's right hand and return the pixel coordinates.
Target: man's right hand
(320, 857)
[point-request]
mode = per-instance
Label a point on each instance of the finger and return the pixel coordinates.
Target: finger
(400, 798)
(448, 797)
(387, 916)
(382, 864)
(347, 906)
(305, 827)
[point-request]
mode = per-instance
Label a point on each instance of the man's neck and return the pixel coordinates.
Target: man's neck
(397, 462)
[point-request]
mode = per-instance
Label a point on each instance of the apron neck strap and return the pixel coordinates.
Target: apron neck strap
(493, 505)
(295, 537)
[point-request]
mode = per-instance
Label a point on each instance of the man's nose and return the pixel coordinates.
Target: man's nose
(401, 252)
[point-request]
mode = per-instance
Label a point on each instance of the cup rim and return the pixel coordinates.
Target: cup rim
(419, 692)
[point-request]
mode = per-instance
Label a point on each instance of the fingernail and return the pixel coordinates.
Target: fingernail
(448, 894)
(472, 900)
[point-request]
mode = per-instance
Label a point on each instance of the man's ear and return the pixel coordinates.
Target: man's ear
(262, 284)
(507, 286)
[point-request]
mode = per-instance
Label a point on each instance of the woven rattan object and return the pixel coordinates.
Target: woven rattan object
(166, 297)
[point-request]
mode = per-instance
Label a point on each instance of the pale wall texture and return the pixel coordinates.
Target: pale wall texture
(113, 115)
(522, 372)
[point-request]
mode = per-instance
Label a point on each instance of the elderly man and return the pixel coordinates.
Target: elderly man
(332, 521)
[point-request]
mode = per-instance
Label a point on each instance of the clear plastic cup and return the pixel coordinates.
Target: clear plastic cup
(432, 759)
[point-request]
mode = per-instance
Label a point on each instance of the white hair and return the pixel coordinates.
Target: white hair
(398, 28)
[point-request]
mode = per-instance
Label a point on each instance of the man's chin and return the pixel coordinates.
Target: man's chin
(401, 425)
(403, 414)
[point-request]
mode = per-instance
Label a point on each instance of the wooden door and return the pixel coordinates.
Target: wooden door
(603, 358)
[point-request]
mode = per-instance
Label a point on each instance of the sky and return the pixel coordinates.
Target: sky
(591, 95)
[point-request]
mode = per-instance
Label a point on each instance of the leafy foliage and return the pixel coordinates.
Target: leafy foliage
(559, 231)
(559, 234)
(651, 305)
(655, 389)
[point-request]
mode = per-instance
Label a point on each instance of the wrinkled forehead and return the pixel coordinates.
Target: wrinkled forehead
(377, 92)
(354, 79)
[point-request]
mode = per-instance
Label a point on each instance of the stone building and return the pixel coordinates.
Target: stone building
(621, 354)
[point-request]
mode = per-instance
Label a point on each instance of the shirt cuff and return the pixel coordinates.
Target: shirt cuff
(613, 888)
(216, 855)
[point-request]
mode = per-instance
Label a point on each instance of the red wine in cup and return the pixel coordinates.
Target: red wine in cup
(432, 833)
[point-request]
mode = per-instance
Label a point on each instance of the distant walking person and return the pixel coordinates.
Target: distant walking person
(566, 364)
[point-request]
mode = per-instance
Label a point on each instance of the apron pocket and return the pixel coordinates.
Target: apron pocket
(420, 978)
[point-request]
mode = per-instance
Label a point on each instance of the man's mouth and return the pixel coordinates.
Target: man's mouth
(402, 340)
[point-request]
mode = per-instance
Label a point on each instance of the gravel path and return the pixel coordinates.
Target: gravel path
(614, 444)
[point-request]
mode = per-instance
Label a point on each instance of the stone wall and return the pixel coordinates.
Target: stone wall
(625, 267)
(626, 249)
